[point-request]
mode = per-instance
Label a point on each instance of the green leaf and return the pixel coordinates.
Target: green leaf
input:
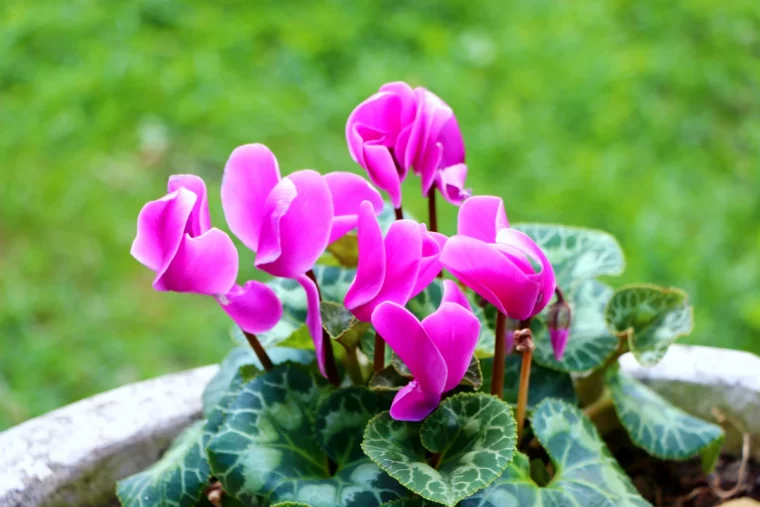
(396, 375)
(590, 343)
(428, 301)
(411, 502)
(474, 434)
(660, 428)
(651, 317)
(388, 379)
(544, 382)
(576, 254)
(341, 325)
(333, 283)
(271, 444)
(240, 356)
(179, 478)
(586, 474)
(367, 345)
(345, 250)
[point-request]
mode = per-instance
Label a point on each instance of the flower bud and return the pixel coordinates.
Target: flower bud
(560, 318)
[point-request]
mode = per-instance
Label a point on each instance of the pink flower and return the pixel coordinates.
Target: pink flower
(175, 239)
(394, 268)
(399, 128)
(290, 221)
(437, 351)
(503, 265)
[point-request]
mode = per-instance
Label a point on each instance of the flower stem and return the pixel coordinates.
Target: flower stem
(560, 295)
(331, 369)
(523, 344)
(432, 214)
(399, 213)
(353, 367)
(522, 395)
(379, 359)
(259, 350)
(499, 356)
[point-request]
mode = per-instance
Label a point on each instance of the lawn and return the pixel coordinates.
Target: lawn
(640, 118)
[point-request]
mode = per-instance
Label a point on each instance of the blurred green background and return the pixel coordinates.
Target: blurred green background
(638, 117)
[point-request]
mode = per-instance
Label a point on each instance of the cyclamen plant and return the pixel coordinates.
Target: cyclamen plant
(516, 349)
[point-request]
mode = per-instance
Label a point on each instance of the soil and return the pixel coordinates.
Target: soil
(683, 483)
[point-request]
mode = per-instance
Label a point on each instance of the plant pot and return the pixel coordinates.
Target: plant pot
(75, 455)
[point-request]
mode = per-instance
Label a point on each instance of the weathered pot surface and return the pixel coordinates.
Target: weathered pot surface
(75, 455)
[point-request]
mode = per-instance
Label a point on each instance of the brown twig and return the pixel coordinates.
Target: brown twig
(523, 343)
(741, 476)
(399, 212)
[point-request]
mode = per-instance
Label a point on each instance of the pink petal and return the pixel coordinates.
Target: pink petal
(405, 93)
(161, 227)
(403, 249)
(207, 264)
(414, 404)
(484, 269)
(451, 184)
(408, 339)
(254, 307)
(430, 264)
(348, 191)
(450, 137)
(525, 244)
(482, 217)
(298, 227)
(383, 172)
(453, 294)
(199, 221)
(250, 174)
(559, 341)
(370, 272)
(314, 319)
(435, 114)
(454, 330)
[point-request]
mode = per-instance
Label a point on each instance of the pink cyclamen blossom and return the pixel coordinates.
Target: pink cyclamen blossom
(400, 128)
(395, 268)
(437, 351)
(558, 322)
(175, 239)
(290, 221)
(503, 265)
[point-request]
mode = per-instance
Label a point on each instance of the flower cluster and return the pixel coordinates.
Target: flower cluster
(290, 221)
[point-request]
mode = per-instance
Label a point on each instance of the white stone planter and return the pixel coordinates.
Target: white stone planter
(74, 455)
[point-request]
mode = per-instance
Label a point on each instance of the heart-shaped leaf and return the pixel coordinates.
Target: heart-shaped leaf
(243, 355)
(590, 343)
(651, 317)
(473, 434)
(345, 250)
(586, 474)
(341, 325)
(411, 502)
(271, 444)
(428, 301)
(179, 478)
(576, 254)
(544, 382)
(658, 427)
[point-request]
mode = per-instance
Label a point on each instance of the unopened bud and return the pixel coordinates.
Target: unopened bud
(560, 318)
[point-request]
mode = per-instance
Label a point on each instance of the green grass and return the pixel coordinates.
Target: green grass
(641, 118)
